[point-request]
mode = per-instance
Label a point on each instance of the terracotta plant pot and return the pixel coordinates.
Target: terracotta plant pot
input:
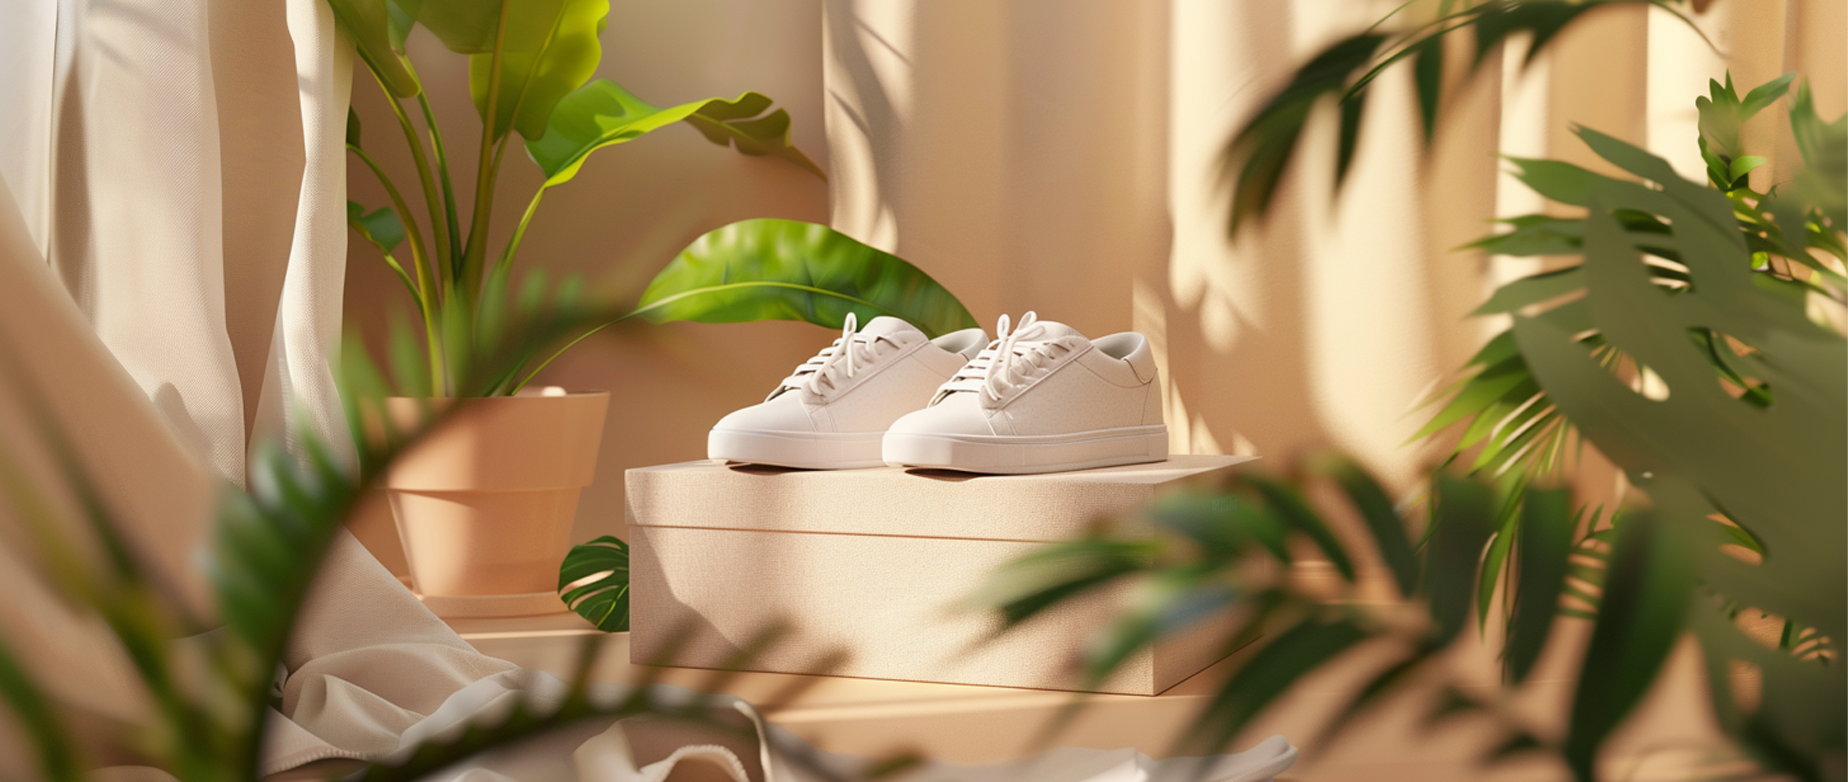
(484, 502)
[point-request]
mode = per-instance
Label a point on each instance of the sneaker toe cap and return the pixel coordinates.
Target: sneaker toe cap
(946, 419)
(776, 415)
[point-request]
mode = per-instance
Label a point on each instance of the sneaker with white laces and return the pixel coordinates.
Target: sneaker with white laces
(1040, 398)
(833, 411)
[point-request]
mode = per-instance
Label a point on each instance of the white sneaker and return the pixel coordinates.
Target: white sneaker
(832, 413)
(1040, 398)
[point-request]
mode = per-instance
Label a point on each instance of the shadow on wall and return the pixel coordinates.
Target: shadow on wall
(1040, 155)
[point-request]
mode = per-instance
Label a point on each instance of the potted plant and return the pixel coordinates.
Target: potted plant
(484, 504)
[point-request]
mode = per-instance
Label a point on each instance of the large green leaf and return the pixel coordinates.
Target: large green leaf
(472, 26)
(604, 600)
(381, 226)
(770, 269)
(1428, 76)
(1699, 431)
(1532, 290)
(367, 24)
(1822, 185)
(1021, 589)
(1545, 532)
(1463, 518)
(1489, 576)
(602, 113)
(1161, 605)
(738, 124)
(1723, 114)
(1287, 503)
(1534, 235)
(1223, 525)
(1558, 181)
(1774, 469)
(1382, 520)
(533, 82)
(1272, 671)
(1640, 616)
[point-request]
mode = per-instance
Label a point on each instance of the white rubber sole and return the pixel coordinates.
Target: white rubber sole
(817, 451)
(1026, 454)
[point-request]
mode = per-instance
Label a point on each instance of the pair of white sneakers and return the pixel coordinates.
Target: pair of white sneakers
(1039, 398)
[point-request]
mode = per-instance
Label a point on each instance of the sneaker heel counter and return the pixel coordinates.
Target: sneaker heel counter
(1152, 412)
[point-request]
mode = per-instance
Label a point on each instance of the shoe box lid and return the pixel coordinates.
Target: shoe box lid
(910, 503)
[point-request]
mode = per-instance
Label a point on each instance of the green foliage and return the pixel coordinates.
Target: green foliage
(528, 67)
(1511, 422)
(210, 711)
(1639, 620)
(602, 113)
(1202, 566)
(1706, 289)
(1258, 154)
(532, 81)
(1545, 529)
(604, 599)
(1701, 291)
(1722, 116)
(769, 269)
(367, 23)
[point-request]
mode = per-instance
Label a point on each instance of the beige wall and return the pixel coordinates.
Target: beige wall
(1060, 157)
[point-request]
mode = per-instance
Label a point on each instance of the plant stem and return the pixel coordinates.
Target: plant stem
(442, 171)
(423, 177)
(561, 351)
(432, 336)
(474, 256)
(519, 233)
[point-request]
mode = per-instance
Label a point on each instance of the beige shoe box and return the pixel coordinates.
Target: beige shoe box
(874, 565)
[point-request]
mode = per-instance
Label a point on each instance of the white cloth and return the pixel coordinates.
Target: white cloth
(298, 384)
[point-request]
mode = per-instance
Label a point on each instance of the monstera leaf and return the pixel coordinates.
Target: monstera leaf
(602, 566)
(771, 269)
(1773, 467)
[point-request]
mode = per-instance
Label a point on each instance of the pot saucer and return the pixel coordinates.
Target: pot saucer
(492, 606)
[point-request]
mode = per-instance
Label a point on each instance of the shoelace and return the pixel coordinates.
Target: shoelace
(993, 370)
(820, 373)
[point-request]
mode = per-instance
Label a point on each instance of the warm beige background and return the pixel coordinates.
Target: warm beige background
(1060, 156)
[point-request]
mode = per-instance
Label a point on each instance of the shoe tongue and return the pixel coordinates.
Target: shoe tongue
(1048, 330)
(888, 326)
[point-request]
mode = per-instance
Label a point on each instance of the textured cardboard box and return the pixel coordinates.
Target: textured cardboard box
(872, 564)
